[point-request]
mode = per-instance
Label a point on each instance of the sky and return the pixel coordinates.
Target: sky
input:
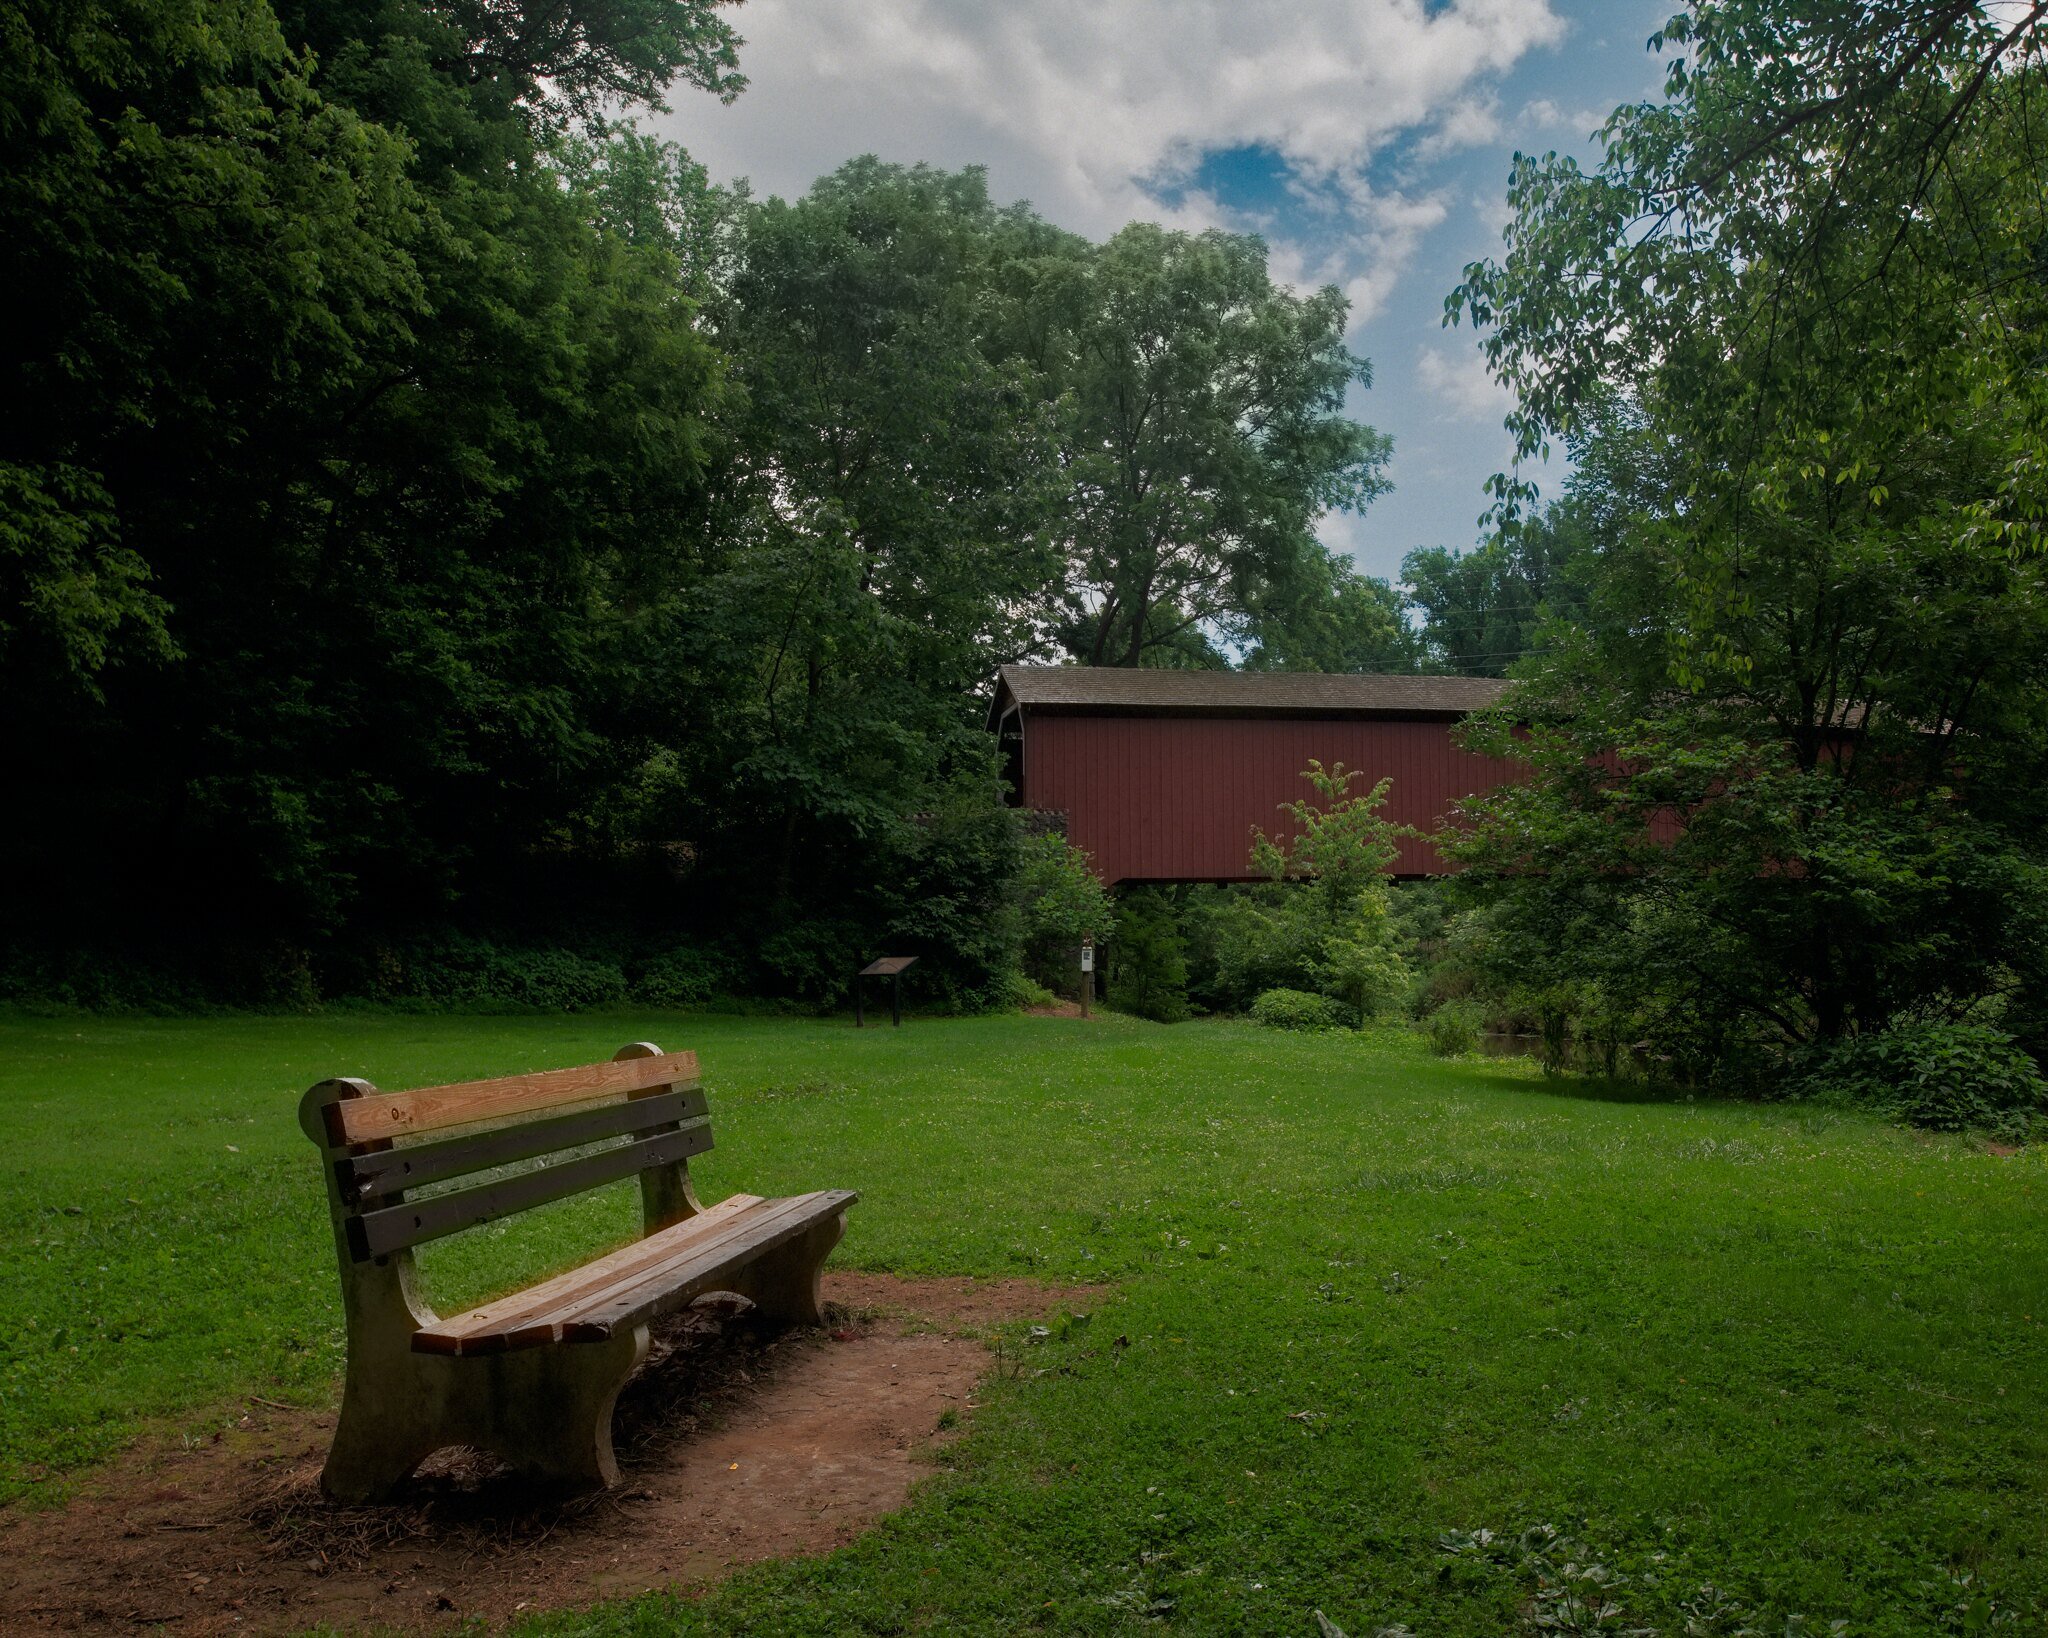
(1368, 141)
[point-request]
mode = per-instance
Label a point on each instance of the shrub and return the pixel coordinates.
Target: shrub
(1364, 970)
(1148, 969)
(458, 971)
(947, 898)
(1947, 1077)
(1454, 1028)
(1296, 1009)
(814, 961)
(684, 977)
(1059, 903)
(1024, 992)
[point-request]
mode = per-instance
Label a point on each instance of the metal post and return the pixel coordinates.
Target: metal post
(859, 1022)
(1087, 974)
(896, 1000)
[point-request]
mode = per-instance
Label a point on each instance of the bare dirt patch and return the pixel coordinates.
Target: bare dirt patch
(736, 1443)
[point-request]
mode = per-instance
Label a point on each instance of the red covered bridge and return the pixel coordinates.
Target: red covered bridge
(1161, 775)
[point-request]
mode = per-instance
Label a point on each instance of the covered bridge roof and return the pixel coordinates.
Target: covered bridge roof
(1094, 690)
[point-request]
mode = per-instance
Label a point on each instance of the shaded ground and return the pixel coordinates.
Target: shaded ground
(737, 1444)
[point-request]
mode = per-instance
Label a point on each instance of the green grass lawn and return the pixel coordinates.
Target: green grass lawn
(1374, 1303)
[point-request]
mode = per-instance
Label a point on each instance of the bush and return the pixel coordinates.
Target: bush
(1148, 972)
(1024, 992)
(1296, 1009)
(1454, 1029)
(948, 901)
(1258, 938)
(1059, 903)
(814, 961)
(458, 971)
(1947, 1077)
(685, 977)
(1364, 970)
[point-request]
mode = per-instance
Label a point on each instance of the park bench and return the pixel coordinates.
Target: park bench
(532, 1377)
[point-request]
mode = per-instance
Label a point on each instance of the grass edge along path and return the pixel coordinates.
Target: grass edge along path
(1381, 1322)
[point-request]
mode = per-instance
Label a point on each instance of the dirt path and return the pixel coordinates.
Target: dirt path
(736, 1446)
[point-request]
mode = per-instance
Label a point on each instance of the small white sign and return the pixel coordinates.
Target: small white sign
(1087, 958)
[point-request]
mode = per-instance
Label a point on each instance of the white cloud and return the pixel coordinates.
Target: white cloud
(1548, 117)
(1461, 383)
(1385, 229)
(1470, 122)
(1494, 211)
(1073, 102)
(1086, 107)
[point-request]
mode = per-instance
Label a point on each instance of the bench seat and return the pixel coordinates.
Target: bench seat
(643, 1281)
(532, 1377)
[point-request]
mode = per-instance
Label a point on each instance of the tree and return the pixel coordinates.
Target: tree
(1787, 760)
(352, 446)
(1148, 970)
(1333, 931)
(1061, 902)
(1207, 437)
(1335, 620)
(1482, 610)
(1842, 187)
(876, 544)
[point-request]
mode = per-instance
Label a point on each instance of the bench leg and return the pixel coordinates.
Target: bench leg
(394, 1415)
(547, 1411)
(394, 1401)
(550, 1409)
(784, 1285)
(374, 1451)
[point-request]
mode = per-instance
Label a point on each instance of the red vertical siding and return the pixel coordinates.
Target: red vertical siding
(1177, 798)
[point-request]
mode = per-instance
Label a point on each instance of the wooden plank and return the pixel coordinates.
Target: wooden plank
(482, 1330)
(388, 1170)
(432, 1108)
(644, 1295)
(734, 1244)
(548, 1324)
(393, 1228)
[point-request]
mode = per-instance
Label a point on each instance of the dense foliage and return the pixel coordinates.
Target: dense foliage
(1148, 970)
(452, 553)
(1788, 746)
(1061, 903)
(1948, 1077)
(430, 509)
(345, 444)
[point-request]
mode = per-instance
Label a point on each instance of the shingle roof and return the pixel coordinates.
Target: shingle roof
(1106, 689)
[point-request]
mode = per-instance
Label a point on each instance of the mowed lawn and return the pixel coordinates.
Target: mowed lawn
(1360, 1305)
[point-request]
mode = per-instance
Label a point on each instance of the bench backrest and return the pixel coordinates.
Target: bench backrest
(643, 1113)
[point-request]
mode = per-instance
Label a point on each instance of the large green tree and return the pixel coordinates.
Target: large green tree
(1484, 609)
(879, 542)
(1207, 437)
(1788, 760)
(350, 431)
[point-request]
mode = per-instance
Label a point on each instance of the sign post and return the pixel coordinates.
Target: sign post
(891, 968)
(1087, 973)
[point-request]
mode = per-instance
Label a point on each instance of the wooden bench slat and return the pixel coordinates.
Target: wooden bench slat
(482, 1330)
(383, 1171)
(432, 1108)
(659, 1289)
(666, 1275)
(404, 1168)
(386, 1229)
